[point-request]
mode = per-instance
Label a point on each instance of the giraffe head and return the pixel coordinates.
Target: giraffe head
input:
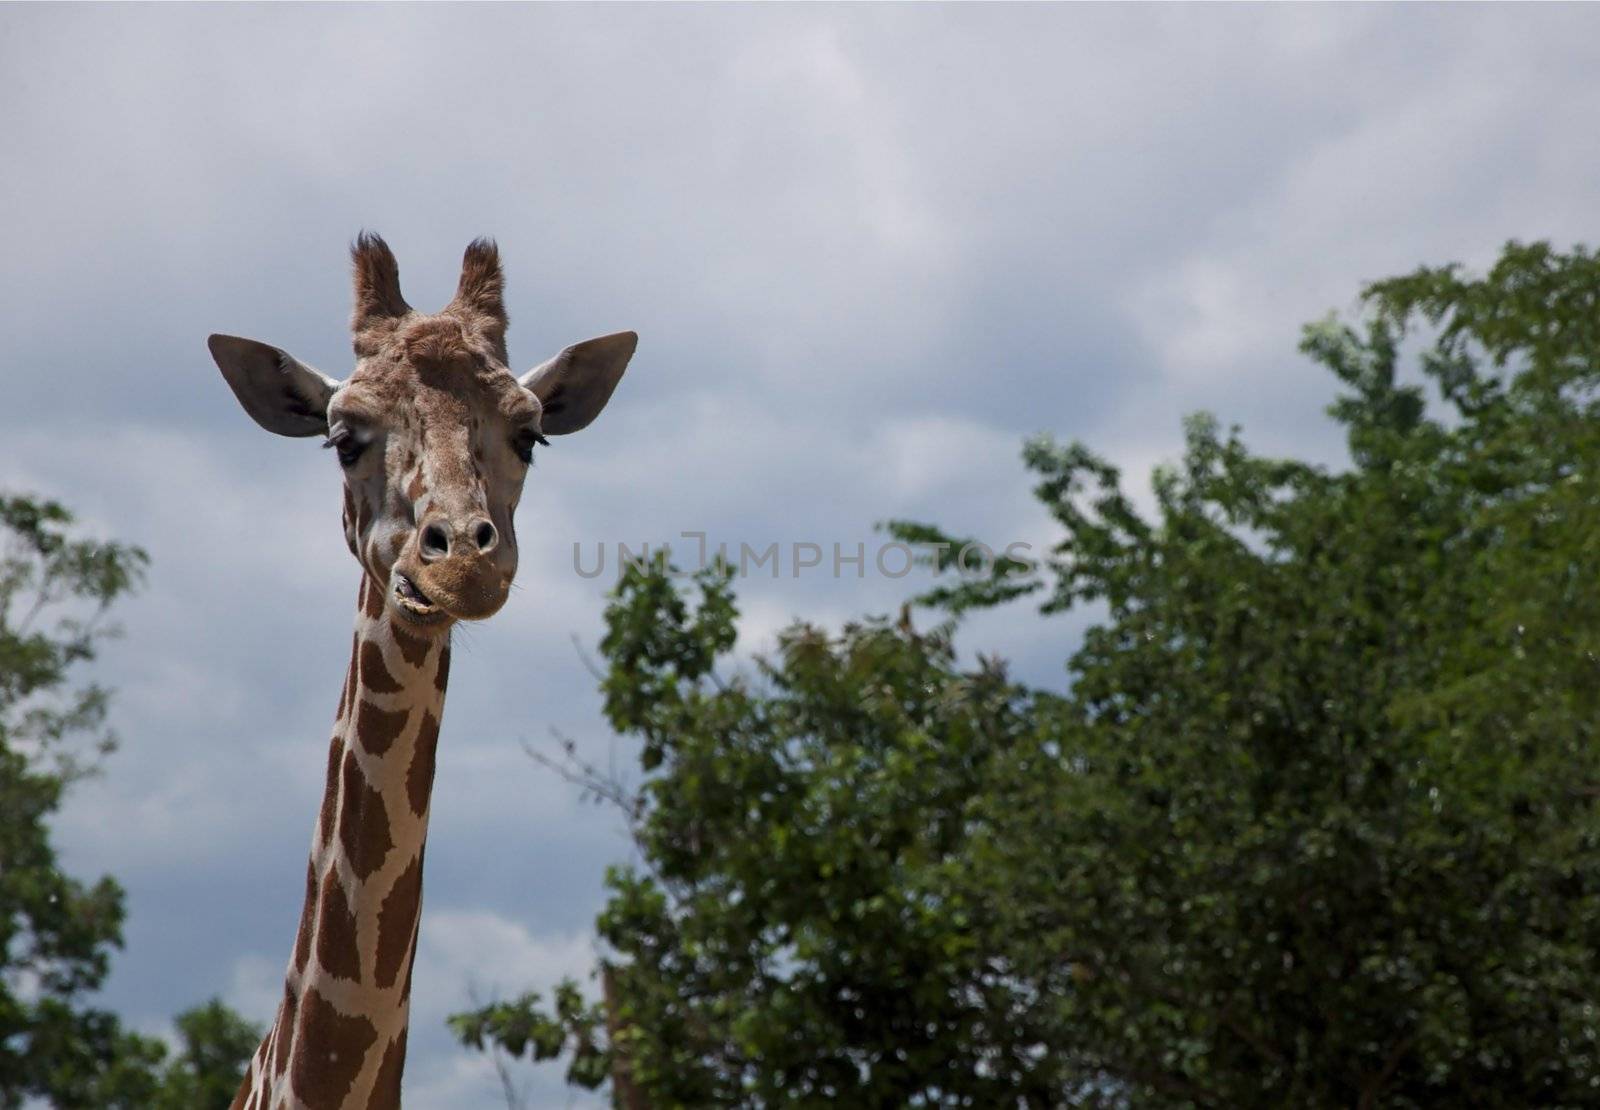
(433, 433)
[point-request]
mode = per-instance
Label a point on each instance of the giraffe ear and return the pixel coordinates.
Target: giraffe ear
(280, 392)
(575, 385)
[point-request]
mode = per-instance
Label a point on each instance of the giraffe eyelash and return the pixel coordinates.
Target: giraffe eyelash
(523, 443)
(348, 447)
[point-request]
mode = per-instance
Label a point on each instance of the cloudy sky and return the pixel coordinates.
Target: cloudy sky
(868, 250)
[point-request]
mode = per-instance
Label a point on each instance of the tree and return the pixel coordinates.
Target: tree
(1314, 823)
(793, 921)
(217, 1044)
(57, 932)
(140, 1073)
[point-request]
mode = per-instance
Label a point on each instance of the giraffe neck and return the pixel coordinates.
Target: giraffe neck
(340, 1035)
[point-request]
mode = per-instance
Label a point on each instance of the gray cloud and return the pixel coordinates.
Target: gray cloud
(868, 250)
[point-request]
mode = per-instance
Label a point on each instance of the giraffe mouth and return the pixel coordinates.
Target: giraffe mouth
(413, 602)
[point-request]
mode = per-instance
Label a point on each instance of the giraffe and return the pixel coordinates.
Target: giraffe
(434, 436)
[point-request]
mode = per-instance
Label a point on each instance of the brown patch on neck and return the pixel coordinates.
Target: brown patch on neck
(413, 649)
(441, 677)
(378, 729)
(336, 931)
(397, 922)
(386, 1088)
(347, 691)
(375, 674)
(371, 595)
(419, 776)
(363, 822)
(308, 916)
(411, 964)
(284, 1032)
(330, 793)
(333, 1046)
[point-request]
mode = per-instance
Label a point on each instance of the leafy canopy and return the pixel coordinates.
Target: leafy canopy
(57, 932)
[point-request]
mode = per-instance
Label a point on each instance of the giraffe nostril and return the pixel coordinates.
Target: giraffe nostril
(435, 542)
(485, 535)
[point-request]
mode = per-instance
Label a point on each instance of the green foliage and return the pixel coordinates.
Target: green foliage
(796, 918)
(520, 1027)
(127, 1071)
(217, 1044)
(1315, 826)
(56, 932)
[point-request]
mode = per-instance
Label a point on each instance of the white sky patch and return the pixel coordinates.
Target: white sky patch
(499, 958)
(470, 1081)
(471, 957)
(256, 986)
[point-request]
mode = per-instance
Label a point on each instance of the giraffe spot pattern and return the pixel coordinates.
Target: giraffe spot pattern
(411, 964)
(350, 680)
(285, 1029)
(397, 922)
(413, 649)
(323, 1076)
(378, 729)
(363, 822)
(442, 676)
(302, 940)
(419, 776)
(330, 795)
(348, 689)
(375, 674)
(337, 951)
(371, 597)
(386, 1088)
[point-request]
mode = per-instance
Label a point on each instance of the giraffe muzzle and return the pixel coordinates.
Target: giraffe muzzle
(462, 588)
(411, 599)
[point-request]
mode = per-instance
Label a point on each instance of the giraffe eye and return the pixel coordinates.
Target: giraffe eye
(345, 445)
(524, 441)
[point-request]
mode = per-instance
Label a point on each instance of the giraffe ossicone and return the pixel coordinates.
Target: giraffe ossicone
(434, 435)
